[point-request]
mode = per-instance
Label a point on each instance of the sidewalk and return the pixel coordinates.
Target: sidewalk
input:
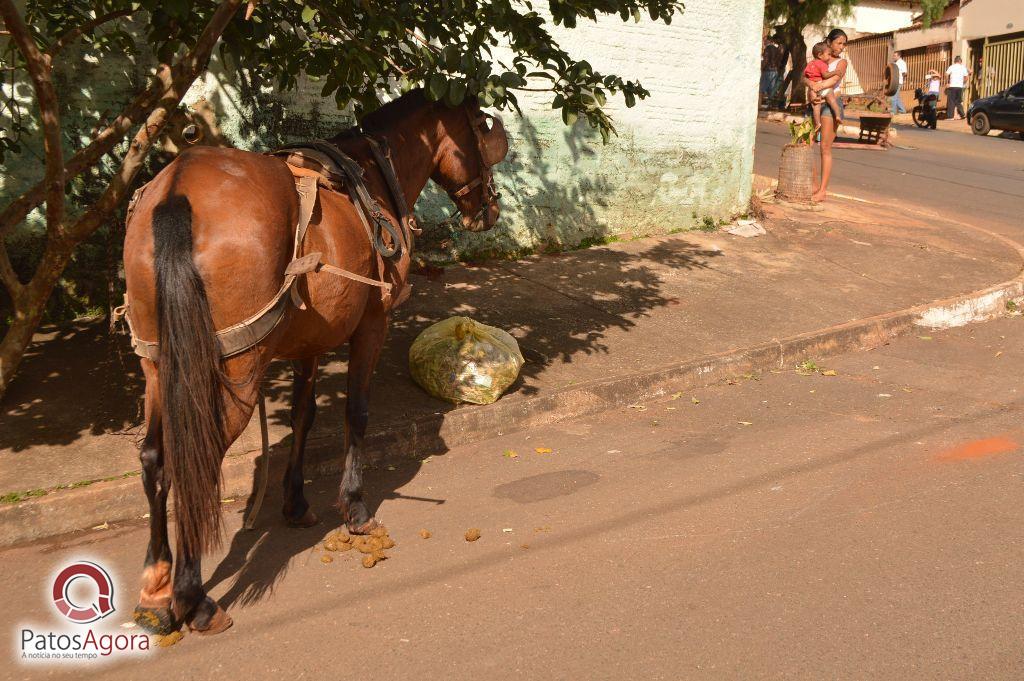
(599, 328)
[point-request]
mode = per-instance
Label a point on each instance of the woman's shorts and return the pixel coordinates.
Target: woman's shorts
(826, 110)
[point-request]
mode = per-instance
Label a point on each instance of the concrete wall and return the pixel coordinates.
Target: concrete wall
(682, 157)
(987, 18)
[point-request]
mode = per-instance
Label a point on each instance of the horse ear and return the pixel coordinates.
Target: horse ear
(494, 142)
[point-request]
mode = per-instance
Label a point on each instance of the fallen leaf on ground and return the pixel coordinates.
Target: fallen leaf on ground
(104, 526)
(472, 534)
(999, 353)
(326, 558)
(638, 407)
(925, 337)
(425, 534)
(543, 450)
(506, 529)
(509, 454)
(830, 372)
(695, 400)
(745, 423)
(884, 395)
(227, 500)
(676, 396)
(906, 390)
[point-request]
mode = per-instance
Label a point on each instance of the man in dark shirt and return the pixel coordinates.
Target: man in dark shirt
(771, 70)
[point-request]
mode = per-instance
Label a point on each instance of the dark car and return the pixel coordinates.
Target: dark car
(1004, 111)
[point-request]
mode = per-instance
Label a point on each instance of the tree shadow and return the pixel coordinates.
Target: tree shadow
(563, 307)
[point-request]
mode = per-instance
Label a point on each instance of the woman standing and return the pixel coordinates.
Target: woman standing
(836, 41)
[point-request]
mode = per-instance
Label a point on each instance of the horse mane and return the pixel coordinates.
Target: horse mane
(395, 111)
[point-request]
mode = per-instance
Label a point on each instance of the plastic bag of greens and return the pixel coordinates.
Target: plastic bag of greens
(460, 360)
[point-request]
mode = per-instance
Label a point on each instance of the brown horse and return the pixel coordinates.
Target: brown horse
(206, 246)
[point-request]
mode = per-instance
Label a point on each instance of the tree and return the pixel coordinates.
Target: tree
(361, 51)
(791, 17)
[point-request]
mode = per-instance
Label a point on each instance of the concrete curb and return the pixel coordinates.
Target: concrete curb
(75, 509)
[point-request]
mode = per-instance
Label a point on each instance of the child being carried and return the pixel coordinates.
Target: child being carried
(816, 72)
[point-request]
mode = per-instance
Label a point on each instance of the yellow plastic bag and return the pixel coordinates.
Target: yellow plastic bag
(460, 360)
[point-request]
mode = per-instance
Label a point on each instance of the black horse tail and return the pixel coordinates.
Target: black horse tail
(191, 380)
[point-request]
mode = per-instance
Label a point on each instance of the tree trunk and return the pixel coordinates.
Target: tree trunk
(29, 300)
(798, 52)
(29, 306)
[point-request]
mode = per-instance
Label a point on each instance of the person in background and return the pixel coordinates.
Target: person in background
(836, 41)
(957, 75)
(896, 106)
(771, 70)
(933, 86)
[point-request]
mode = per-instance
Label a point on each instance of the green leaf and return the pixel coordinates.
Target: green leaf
(570, 117)
(450, 57)
(307, 14)
(456, 92)
(511, 79)
(437, 86)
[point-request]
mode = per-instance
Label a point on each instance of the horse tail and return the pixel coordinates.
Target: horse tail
(191, 380)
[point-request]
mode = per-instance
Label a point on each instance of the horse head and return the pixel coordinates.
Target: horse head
(478, 142)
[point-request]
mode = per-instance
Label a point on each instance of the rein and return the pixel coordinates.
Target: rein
(486, 177)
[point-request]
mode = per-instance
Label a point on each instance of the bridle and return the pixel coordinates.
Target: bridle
(486, 177)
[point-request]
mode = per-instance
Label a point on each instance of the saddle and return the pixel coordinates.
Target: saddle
(314, 165)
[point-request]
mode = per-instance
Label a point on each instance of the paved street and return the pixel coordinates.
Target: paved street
(978, 179)
(861, 525)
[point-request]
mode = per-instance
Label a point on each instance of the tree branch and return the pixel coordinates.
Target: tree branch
(74, 33)
(49, 115)
(7, 274)
(366, 48)
(175, 83)
(111, 136)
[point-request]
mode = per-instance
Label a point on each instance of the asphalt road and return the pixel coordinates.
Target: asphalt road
(859, 525)
(978, 179)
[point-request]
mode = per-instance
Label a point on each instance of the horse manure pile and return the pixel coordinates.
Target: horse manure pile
(168, 640)
(372, 546)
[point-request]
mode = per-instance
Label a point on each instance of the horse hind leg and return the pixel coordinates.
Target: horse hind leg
(153, 612)
(296, 508)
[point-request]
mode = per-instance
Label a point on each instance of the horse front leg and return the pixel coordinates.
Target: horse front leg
(296, 508)
(364, 351)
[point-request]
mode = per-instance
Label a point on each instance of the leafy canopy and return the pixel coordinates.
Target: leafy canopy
(361, 50)
(801, 13)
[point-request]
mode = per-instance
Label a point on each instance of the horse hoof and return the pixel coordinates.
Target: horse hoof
(308, 519)
(365, 528)
(158, 621)
(220, 621)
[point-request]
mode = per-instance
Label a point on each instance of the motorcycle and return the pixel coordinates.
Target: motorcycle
(926, 113)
